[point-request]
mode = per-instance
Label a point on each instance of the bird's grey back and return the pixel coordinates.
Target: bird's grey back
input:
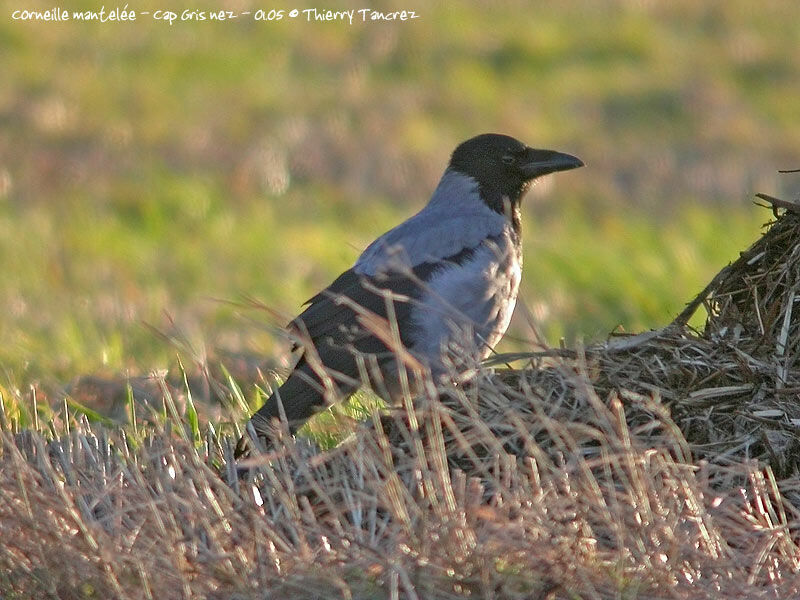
(455, 218)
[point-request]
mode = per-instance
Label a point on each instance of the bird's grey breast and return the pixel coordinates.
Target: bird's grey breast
(468, 307)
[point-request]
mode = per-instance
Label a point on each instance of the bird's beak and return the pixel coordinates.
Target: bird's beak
(542, 162)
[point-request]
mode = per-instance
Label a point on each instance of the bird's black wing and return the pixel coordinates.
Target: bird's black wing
(331, 336)
(332, 315)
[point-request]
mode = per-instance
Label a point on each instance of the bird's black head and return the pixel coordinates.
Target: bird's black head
(504, 167)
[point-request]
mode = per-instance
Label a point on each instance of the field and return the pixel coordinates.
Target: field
(171, 194)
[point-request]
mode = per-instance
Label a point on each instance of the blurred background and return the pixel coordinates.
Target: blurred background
(170, 177)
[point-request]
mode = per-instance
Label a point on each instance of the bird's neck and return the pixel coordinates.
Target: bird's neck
(508, 206)
(456, 189)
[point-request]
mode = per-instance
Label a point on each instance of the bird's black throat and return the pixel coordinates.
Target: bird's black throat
(506, 201)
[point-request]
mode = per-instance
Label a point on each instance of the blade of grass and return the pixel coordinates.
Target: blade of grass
(3, 419)
(91, 416)
(191, 411)
(169, 402)
(131, 408)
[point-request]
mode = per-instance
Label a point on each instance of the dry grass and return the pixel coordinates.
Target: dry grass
(663, 465)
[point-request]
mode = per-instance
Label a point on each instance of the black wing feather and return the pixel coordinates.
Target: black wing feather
(330, 315)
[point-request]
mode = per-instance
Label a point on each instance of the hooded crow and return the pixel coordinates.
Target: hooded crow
(426, 295)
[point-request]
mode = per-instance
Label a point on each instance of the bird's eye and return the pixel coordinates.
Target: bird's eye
(508, 159)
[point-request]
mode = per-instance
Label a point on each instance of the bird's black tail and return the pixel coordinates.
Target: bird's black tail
(301, 397)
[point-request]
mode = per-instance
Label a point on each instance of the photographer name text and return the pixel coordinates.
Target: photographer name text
(124, 14)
